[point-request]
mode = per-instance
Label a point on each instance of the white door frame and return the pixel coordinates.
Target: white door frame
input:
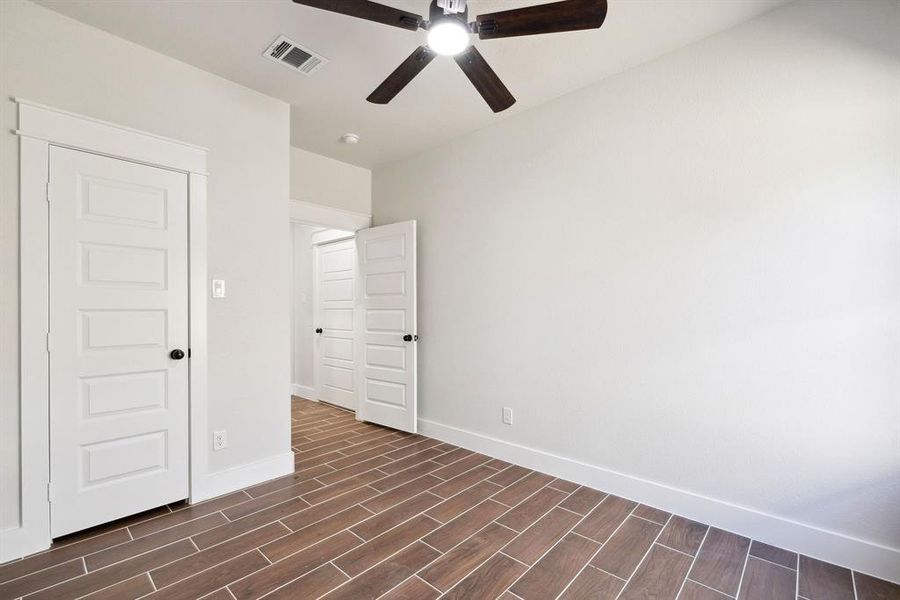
(39, 128)
(309, 213)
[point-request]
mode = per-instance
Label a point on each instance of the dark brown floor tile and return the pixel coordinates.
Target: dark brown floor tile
(212, 579)
(184, 515)
(312, 534)
(695, 591)
(62, 553)
(487, 581)
(412, 460)
(720, 561)
(387, 483)
(277, 497)
(785, 558)
(225, 532)
(461, 466)
(563, 485)
(660, 575)
(293, 567)
(583, 500)
(652, 514)
(118, 553)
(601, 522)
(455, 531)
(375, 582)
(497, 464)
(185, 567)
(399, 494)
(526, 513)
(532, 543)
(378, 548)
(311, 515)
(523, 488)
(463, 501)
(823, 581)
(593, 584)
(415, 448)
(870, 588)
(41, 579)
(766, 581)
(412, 589)
(683, 535)
(509, 475)
(457, 484)
(342, 487)
(129, 589)
(287, 481)
(312, 585)
(97, 580)
(453, 456)
(552, 573)
(378, 524)
(624, 551)
(360, 467)
(448, 570)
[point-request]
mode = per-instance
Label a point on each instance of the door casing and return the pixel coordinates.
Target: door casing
(39, 128)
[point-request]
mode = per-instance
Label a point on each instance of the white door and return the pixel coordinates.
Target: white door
(118, 308)
(334, 318)
(386, 347)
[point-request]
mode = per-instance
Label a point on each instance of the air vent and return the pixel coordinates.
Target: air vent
(294, 56)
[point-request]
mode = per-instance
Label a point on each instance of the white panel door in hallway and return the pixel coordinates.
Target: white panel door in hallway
(118, 323)
(386, 339)
(335, 319)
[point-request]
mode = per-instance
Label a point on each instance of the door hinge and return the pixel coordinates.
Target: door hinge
(49, 344)
(48, 191)
(49, 492)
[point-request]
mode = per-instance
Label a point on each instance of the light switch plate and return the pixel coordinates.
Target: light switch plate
(218, 288)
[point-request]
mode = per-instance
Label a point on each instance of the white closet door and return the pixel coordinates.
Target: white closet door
(118, 308)
(386, 347)
(336, 280)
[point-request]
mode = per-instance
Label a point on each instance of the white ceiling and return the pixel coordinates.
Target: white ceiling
(228, 38)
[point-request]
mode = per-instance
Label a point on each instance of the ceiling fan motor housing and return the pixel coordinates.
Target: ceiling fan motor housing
(438, 12)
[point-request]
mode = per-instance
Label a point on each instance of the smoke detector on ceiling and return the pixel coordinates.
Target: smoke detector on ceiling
(294, 56)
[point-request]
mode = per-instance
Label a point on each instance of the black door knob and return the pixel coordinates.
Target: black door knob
(177, 354)
(318, 330)
(407, 338)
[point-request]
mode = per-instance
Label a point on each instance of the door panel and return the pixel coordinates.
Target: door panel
(119, 298)
(335, 294)
(386, 361)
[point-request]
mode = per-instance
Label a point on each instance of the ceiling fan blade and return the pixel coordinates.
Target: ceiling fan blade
(484, 79)
(371, 11)
(568, 15)
(402, 75)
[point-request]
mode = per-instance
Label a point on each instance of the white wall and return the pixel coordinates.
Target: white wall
(54, 60)
(322, 180)
(303, 326)
(688, 273)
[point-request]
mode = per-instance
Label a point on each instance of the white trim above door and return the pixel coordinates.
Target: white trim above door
(39, 128)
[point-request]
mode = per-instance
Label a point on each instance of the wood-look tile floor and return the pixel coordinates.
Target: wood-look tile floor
(373, 513)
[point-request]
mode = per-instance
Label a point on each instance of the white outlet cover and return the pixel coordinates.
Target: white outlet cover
(507, 416)
(218, 288)
(220, 439)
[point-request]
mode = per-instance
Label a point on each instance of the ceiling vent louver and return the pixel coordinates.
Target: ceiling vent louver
(294, 56)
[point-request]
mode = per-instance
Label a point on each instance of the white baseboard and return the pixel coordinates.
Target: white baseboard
(859, 555)
(304, 391)
(236, 478)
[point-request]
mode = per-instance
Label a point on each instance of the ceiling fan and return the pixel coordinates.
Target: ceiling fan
(449, 35)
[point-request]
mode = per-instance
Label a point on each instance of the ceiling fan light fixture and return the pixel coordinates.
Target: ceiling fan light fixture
(448, 37)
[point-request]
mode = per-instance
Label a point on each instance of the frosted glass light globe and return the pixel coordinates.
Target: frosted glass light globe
(448, 37)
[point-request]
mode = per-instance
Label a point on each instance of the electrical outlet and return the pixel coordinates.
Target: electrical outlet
(220, 439)
(507, 415)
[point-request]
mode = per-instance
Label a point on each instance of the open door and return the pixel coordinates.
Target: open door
(386, 337)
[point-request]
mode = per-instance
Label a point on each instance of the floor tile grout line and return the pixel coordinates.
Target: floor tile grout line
(765, 560)
(703, 585)
(646, 554)
(675, 550)
(737, 592)
(693, 561)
